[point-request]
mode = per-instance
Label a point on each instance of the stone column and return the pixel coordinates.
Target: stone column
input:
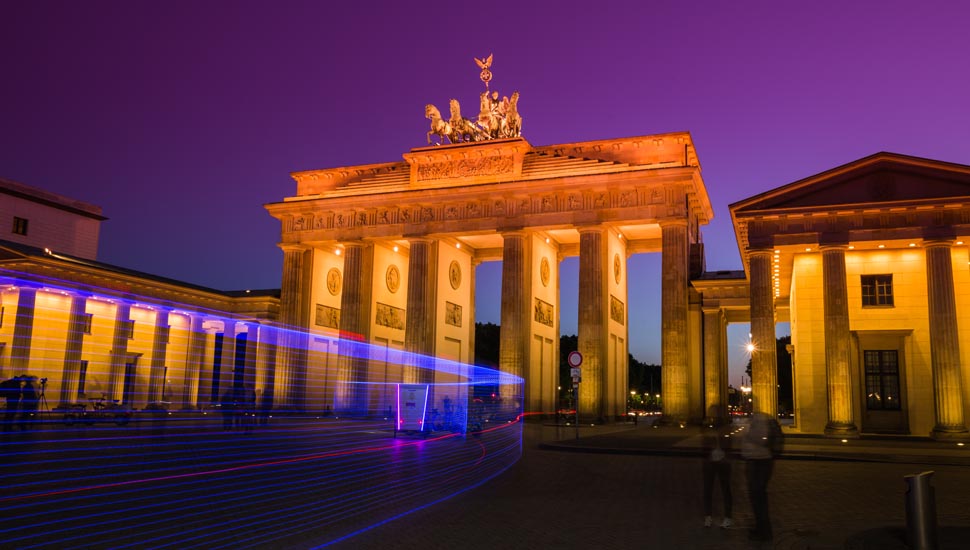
(156, 376)
(227, 370)
(193, 363)
(119, 350)
(420, 320)
(294, 311)
(593, 329)
(838, 375)
(764, 361)
(516, 292)
(70, 375)
(715, 384)
(673, 320)
(23, 330)
(944, 342)
(355, 312)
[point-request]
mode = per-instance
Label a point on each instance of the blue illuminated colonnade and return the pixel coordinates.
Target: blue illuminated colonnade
(163, 465)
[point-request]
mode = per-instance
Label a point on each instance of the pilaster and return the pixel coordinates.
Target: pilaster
(22, 331)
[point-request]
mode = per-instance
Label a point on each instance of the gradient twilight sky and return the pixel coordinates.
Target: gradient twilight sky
(181, 119)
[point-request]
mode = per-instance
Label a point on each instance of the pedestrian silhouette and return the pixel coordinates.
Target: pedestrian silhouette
(11, 392)
(758, 447)
(227, 409)
(265, 406)
(716, 435)
(28, 405)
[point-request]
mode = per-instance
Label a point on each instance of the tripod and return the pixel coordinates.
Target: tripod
(42, 397)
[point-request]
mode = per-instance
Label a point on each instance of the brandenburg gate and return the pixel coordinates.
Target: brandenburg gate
(386, 254)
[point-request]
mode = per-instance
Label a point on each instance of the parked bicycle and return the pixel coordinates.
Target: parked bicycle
(100, 411)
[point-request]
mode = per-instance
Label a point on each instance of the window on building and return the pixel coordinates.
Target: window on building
(1, 317)
(81, 377)
(882, 380)
(19, 226)
(86, 322)
(877, 290)
(129, 328)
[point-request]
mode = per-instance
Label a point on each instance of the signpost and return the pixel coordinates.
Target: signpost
(575, 359)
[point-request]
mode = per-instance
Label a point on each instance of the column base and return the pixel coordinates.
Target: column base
(841, 430)
(950, 433)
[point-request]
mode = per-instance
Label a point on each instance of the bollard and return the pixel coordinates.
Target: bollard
(920, 512)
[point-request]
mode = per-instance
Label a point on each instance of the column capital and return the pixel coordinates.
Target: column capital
(293, 247)
(938, 242)
(760, 251)
(592, 228)
(668, 222)
(826, 247)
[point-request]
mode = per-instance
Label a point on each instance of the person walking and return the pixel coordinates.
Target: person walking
(758, 448)
(28, 405)
(716, 435)
(228, 409)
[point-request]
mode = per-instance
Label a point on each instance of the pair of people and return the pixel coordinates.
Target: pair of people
(759, 444)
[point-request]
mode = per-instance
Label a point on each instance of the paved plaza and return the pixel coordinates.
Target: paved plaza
(622, 491)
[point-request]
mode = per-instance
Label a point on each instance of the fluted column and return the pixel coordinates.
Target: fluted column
(593, 311)
(673, 321)
(294, 312)
(355, 313)
(420, 320)
(944, 342)
(838, 378)
(156, 376)
(72, 350)
(193, 363)
(23, 331)
(119, 350)
(764, 362)
(516, 292)
(715, 383)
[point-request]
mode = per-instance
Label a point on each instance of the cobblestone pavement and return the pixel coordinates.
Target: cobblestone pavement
(557, 499)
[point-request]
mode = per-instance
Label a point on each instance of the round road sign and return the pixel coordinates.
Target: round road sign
(574, 359)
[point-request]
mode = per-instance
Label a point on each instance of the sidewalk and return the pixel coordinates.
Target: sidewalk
(923, 453)
(647, 439)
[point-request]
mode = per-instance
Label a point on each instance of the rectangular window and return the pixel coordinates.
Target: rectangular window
(19, 226)
(877, 290)
(81, 377)
(1, 317)
(86, 322)
(882, 380)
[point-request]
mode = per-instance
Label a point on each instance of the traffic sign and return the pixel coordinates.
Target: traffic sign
(574, 372)
(574, 359)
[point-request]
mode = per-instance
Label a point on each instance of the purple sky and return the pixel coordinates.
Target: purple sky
(181, 119)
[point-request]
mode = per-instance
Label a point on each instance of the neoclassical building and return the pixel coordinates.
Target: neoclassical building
(92, 329)
(869, 263)
(387, 253)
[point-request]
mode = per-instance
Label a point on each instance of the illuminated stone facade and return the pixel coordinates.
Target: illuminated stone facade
(92, 329)
(427, 221)
(869, 264)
